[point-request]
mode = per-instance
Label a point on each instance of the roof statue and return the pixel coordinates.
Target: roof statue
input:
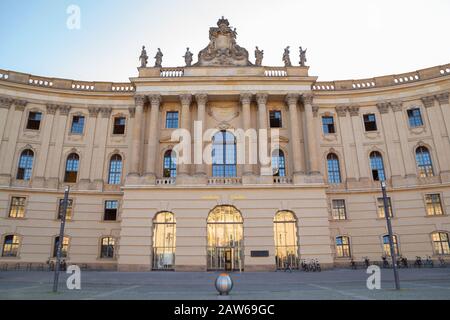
(188, 57)
(222, 49)
(302, 56)
(259, 55)
(143, 58)
(286, 59)
(158, 59)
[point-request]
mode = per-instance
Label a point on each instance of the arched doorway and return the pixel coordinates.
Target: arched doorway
(164, 238)
(286, 240)
(225, 239)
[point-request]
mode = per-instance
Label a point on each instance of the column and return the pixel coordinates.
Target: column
(99, 160)
(350, 160)
(12, 134)
(408, 158)
(6, 114)
(136, 140)
(57, 152)
(45, 145)
(441, 147)
(246, 99)
(363, 159)
(291, 100)
(261, 99)
(201, 99)
(442, 98)
(311, 146)
(185, 100)
(152, 152)
(394, 155)
(86, 158)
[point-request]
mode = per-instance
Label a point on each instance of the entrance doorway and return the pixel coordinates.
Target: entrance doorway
(225, 239)
(285, 234)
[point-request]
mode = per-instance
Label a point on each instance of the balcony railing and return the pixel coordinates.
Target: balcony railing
(165, 181)
(224, 181)
(282, 180)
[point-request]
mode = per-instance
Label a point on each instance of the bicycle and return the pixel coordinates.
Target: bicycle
(429, 262)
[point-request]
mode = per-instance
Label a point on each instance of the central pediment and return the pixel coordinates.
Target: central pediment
(222, 49)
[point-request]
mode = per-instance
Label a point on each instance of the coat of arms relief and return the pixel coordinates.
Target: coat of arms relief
(222, 49)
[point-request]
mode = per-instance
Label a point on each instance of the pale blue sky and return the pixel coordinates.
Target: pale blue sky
(345, 39)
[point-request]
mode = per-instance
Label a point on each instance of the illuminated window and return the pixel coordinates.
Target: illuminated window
(423, 160)
(172, 119)
(342, 247)
(69, 210)
(434, 205)
(376, 164)
(170, 164)
(334, 175)
(77, 125)
(387, 247)
(338, 209)
(10, 246)
(115, 170)
(414, 117)
(328, 125)
(111, 207)
(286, 239)
(25, 165)
(164, 239)
(107, 247)
(17, 207)
(380, 206)
(278, 163)
(72, 164)
(441, 243)
(64, 248)
(34, 120)
(224, 155)
(119, 125)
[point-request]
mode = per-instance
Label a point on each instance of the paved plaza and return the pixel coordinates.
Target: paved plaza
(333, 284)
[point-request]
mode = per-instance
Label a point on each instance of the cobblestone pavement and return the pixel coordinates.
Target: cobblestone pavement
(332, 284)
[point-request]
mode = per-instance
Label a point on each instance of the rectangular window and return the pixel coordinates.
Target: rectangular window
(77, 125)
(328, 125)
(111, 207)
(380, 205)
(370, 122)
(172, 119)
(338, 209)
(69, 209)
(34, 120)
(415, 118)
(275, 119)
(119, 125)
(434, 206)
(17, 207)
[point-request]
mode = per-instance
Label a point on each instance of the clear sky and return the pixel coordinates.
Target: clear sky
(345, 39)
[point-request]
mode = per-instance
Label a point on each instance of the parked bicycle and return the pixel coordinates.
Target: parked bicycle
(353, 264)
(429, 262)
(441, 262)
(385, 262)
(402, 262)
(366, 262)
(418, 263)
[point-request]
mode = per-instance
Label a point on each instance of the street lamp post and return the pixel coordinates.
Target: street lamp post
(61, 239)
(391, 238)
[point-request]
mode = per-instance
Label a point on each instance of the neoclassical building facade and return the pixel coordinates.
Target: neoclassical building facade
(134, 207)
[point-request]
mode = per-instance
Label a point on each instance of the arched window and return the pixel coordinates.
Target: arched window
(423, 160)
(25, 165)
(72, 165)
(115, 169)
(64, 248)
(441, 242)
(387, 247)
(376, 164)
(225, 239)
(343, 247)
(278, 163)
(334, 173)
(224, 155)
(170, 164)
(11, 246)
(164, 238)
(285, 234)
(107, 247)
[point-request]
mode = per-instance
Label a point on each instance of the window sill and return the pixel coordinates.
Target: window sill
(436, 215)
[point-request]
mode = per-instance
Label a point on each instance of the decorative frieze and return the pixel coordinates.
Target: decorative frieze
(428, 101)
(341, 111)
(383, 107)
(442, 98)
(353, 110)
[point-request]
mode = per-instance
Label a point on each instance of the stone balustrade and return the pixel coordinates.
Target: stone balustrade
(282, 180)
(224, 181)
(165, 181)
